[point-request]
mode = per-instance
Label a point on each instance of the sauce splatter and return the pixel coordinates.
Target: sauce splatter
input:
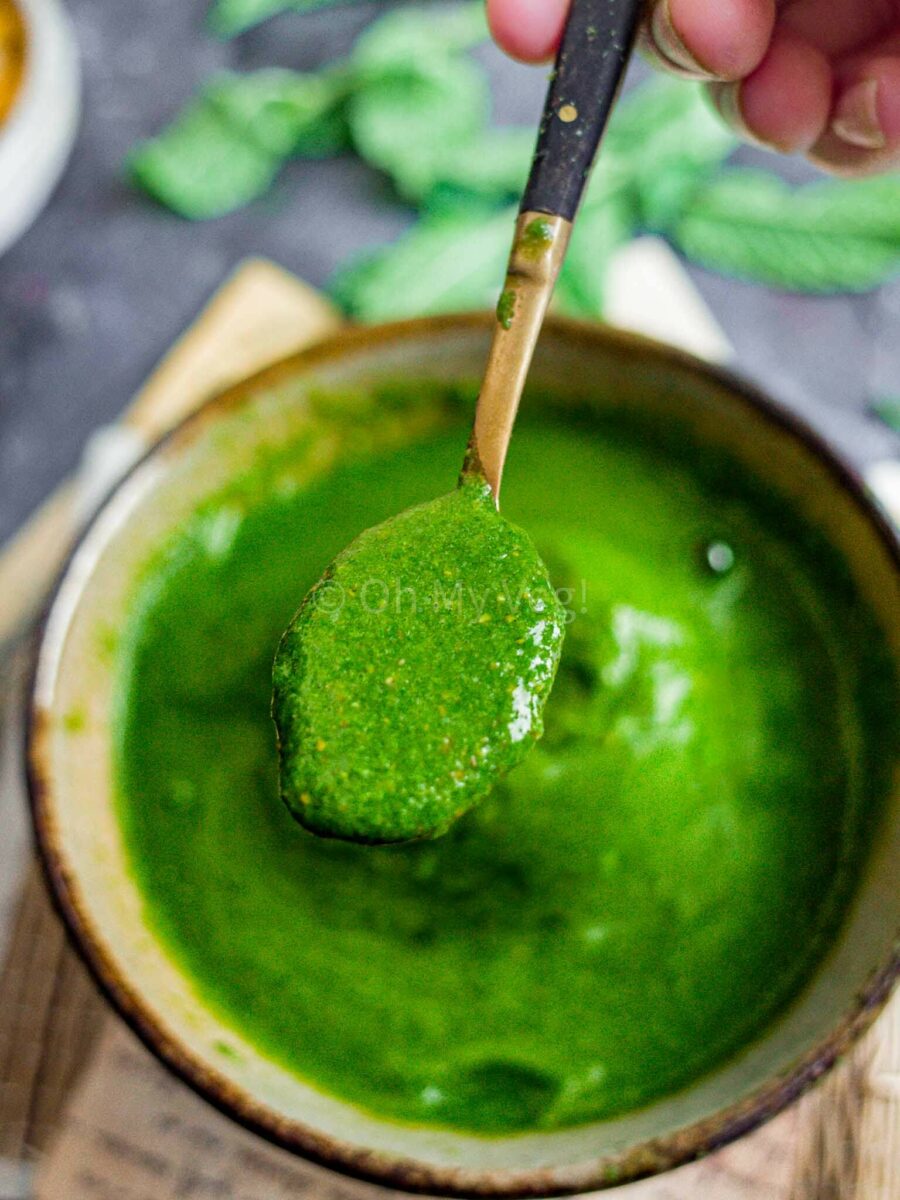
(506, 307)
(537, 238)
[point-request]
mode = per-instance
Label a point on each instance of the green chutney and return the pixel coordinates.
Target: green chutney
(415, 673)
(640, 897)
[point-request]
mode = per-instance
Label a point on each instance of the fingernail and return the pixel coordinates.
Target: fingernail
(669, 44)
(856, 119)
(727, 99)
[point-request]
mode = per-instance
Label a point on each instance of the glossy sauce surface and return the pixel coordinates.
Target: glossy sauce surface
(640, 896)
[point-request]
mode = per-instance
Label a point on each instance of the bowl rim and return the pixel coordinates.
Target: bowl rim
(48, 99)
(651, 1157)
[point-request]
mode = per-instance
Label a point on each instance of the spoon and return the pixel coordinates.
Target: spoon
(415, 673)
(590, 65)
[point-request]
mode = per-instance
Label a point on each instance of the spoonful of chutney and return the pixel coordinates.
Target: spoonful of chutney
(415, 673)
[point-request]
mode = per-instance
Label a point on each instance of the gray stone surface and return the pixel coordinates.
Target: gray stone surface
(104, 281)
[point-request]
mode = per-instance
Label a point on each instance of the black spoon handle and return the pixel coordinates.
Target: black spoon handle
(595, 49)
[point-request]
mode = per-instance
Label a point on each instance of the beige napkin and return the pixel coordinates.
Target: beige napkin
(135, 1133)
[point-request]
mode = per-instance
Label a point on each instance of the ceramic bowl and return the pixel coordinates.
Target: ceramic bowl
(71, 774)
(37, 135)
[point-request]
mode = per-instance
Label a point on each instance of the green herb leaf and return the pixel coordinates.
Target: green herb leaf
(201, 166)
(230, 17)
(417, 100)
(407, 37)
(888, 408)
(413, 101)
(659, 114)
(446, 263)
(666, 141)
(406, 120)
(491, 167)
(227, 147)
(602, 227)
(824, 237)
(865, 206)
(285, 112)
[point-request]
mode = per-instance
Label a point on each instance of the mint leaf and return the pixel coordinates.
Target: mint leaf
(417, 100)
(888, 408)
(406, 120)
(327, 136)
(647, 116)
(666, 139)
(227, 146)
(491, 166)
(413, 102)
(407, 37)
(230, 17)
(602, 227)
(866, 206)
(824, 237)
(446, 263)
(202, 166)
(285, 112)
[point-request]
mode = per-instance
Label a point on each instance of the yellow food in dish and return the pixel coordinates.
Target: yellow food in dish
(12, 55)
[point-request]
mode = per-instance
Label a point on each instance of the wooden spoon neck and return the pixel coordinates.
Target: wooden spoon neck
(538, 250)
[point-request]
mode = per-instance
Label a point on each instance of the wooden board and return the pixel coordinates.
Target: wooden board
(79, 1091)
(260, 314)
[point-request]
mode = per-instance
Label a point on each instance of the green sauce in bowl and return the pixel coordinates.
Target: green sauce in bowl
(634, 902)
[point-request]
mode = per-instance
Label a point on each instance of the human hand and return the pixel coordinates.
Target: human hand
(814, 77)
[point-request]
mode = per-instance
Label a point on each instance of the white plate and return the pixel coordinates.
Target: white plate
(37, 137)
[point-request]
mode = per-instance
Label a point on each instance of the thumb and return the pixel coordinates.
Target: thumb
(529, 30)
(863, 136)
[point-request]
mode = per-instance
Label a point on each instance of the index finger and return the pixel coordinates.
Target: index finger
(529, 30)
(716, 39)
(712, 39)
